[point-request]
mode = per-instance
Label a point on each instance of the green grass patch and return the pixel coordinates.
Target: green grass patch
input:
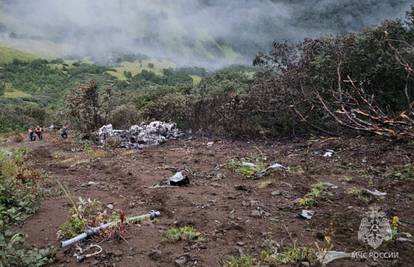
(359, 194)
(19, 198)
(309, 200)
(243, 261)
(196, 79)
(11, 92)
(289, 255)
(136, 67)
(404, 173)
(7, 55)
(248, 167)
(175, 234)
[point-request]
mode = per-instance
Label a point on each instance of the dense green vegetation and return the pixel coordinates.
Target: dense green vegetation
(19, 195)
(298, 87)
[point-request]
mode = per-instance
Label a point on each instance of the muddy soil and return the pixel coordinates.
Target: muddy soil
(236, 215)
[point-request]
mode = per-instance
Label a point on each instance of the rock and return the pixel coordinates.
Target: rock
(264, 184)
(276, 193)
(330, 185)
(240, 243)
(155, 254)
(182, 260)
(241, 188)
(210, 144)
(110, 206)
(215, 184)
(117, 253)
(256, 214)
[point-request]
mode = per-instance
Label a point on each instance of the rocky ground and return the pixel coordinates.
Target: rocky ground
(236, 215)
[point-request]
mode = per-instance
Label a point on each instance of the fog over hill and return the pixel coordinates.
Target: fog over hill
(194, 32)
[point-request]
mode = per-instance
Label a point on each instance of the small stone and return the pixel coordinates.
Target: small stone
(276, 193)
(182, 260)
(117, 253)
(240, 243)
(110, 206)
(155, 254)
(256, 214)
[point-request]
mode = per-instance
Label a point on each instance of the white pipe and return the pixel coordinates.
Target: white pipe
(93, 231)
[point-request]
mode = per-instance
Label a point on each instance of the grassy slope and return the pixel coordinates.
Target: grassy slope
(8, 54)
(137, 67)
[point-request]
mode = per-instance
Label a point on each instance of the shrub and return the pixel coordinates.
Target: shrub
(182, 233)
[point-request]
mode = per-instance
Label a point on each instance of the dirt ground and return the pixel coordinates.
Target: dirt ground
(236, 215)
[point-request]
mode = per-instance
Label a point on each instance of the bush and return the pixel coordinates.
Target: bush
(19, 197)
(312, 77)
(123, 116)
(82, 106)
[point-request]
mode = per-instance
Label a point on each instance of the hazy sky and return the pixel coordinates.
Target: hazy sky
(187, 31)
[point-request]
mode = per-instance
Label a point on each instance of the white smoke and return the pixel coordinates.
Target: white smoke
(196, 32)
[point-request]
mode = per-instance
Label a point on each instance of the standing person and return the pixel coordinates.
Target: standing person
(32, 136)
(38, 132)
(64, 132)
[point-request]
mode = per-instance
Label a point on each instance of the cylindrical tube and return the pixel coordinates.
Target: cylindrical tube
(74, 240)
(153, 214)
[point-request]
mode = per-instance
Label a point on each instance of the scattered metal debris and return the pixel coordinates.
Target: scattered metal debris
(93, 231)
(179, 179)
(248, 164)
(330, 256)
(375, 192)
(307, 214)
(139, 136)
(90, 183)
(271, 168)
(330, 185)
(328, 153)
(80, 256)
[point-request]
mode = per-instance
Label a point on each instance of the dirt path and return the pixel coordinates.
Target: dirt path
(235, 214)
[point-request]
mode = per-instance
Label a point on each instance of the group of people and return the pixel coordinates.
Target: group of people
(36, 133)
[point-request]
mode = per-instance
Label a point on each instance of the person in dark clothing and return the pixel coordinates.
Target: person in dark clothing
(38, 132)
(64, 132)
(32, 136)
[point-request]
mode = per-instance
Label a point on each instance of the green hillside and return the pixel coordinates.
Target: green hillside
(7, 55)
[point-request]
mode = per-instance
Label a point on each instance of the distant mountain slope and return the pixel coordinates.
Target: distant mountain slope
(195, 32)
(7, 55)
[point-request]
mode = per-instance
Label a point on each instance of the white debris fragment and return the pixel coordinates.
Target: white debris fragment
(330, 185)
(248, 164)
(138, 136)
(328, 153)
(210, 144)
(330, 256)
(271, 168)
(179, 179)
(376, 193)
(307, 214)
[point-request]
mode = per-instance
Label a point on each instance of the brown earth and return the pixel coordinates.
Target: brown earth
(233, 214)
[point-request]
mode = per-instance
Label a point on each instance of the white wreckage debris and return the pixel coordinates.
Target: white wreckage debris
(139, 136)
